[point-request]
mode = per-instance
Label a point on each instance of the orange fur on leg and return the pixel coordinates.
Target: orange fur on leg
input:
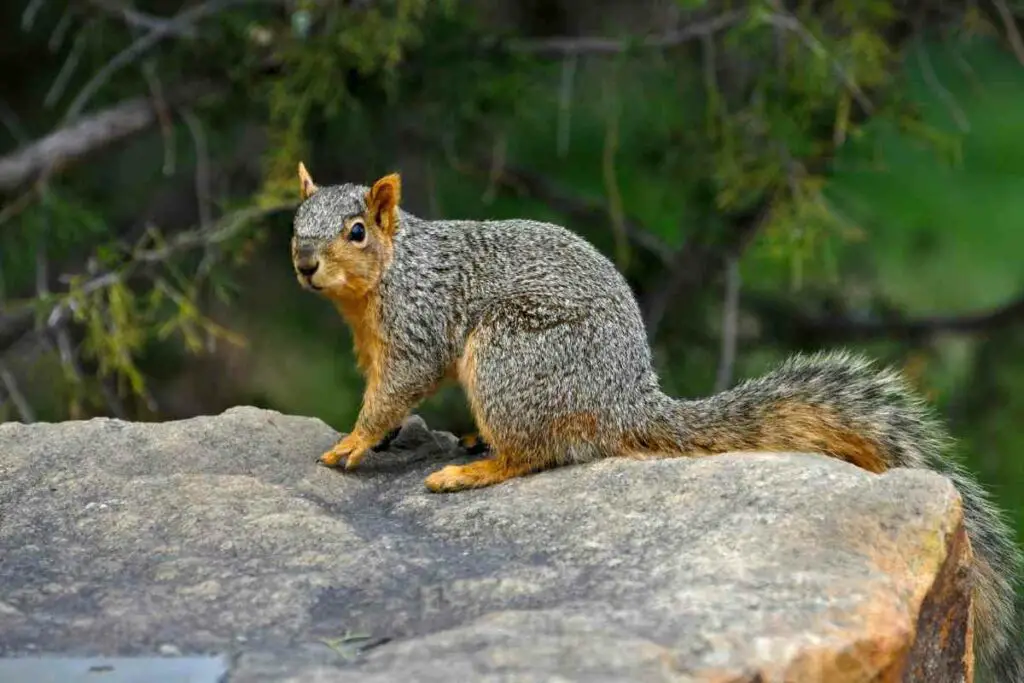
(379, 420)
(477, 474)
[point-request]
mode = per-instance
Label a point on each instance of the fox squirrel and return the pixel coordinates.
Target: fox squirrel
(546, 338)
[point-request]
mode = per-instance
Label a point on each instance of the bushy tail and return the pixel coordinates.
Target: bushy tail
(998, 571)
(840, 404)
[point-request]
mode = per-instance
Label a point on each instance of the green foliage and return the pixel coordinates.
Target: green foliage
(680, 135)
(920, 205)
(874, 157)
(315, 62)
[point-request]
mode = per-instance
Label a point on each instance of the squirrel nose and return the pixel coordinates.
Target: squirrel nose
(307, 267)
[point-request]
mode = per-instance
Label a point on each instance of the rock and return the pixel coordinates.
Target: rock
(221, 535)
(168, 650)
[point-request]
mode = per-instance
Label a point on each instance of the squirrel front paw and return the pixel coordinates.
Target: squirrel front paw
(353, 447)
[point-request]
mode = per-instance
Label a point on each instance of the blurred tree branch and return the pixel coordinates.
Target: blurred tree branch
(14, 394)
(786, 21)
(136, 19)
(69, 144)
(20, 336)
(730, 316)
(699, 261)
(558, 46)
(846, 328)
(1012, 32)
(174, 26)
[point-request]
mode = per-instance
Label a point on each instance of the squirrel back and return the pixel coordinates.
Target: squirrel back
(546, 338)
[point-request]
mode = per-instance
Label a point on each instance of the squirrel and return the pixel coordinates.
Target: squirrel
(546, 338)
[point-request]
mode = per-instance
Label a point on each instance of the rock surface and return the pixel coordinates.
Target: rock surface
(221, 535)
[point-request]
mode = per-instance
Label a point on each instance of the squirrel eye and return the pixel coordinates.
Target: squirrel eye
(357, 232)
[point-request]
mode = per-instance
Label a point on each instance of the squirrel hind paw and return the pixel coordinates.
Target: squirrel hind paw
(450, 479)
(477, 474)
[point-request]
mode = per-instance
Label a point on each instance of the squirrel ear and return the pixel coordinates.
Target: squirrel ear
(306, 185)
(382, 201)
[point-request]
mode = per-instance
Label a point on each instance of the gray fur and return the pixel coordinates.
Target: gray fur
(320, 218)
(558, 332)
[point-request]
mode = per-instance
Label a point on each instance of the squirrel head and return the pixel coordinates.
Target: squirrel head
(343, 235)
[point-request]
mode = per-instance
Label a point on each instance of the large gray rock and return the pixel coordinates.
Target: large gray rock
(221, 535)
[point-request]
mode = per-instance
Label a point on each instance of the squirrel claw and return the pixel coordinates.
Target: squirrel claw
(329, 459)
(353, 459)
(333, 459)
(351, 448)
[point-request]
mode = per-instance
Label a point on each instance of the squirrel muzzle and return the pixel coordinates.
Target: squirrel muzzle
(307, 262)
